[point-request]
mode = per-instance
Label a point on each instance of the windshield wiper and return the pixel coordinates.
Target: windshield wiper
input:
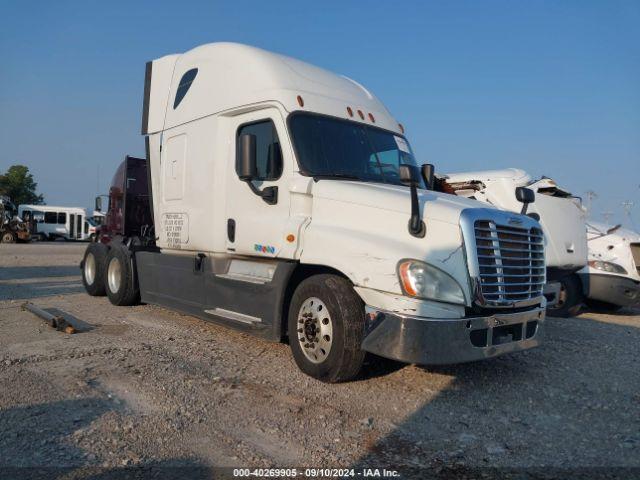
(336, 176)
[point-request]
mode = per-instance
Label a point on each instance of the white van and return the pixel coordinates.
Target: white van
(284, 200)
(52, 222)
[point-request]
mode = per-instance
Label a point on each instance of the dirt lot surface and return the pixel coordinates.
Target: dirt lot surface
(143, 386)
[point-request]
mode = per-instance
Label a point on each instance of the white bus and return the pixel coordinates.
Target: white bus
(51, 222)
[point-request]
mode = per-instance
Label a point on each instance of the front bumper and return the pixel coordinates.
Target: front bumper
(431, 341)
(622, 291)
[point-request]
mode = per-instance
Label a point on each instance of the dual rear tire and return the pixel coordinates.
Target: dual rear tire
(109, 271)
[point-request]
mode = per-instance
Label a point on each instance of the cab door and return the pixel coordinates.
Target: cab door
(254, 226)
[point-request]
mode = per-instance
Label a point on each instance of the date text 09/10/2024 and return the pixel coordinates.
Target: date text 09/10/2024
(316, 472)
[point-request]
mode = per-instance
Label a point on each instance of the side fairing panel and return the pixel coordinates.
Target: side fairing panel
(563, 223)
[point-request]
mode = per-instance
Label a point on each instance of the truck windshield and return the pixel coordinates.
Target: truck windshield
(329, 147)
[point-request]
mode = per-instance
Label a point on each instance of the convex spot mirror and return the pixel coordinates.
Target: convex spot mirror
(525, 195)
(428, 175)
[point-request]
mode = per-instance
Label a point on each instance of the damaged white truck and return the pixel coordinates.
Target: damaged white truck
(284, 200)
(611, 280)
(559, 212)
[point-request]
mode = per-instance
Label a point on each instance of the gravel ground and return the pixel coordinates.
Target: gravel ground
(142, 386)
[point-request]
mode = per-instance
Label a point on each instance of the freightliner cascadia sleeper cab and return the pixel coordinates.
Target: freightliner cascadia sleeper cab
(285, 201)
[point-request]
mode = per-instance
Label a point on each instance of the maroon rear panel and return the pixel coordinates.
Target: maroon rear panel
(129, 210)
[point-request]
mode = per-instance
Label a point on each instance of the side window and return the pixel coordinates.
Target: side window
(184, 85)
(50, 217)
(268, 152)
(62, 218)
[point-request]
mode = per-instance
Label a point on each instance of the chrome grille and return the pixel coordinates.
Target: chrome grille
(510, 261)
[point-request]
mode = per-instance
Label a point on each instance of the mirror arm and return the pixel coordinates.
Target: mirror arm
(417, 227)
(524, 208)
(268, 194)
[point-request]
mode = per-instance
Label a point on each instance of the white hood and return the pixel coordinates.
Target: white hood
(442, 207)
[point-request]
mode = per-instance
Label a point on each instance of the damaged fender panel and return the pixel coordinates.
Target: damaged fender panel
(404, 305)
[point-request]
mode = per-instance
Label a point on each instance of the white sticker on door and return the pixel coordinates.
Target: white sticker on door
(175, 227)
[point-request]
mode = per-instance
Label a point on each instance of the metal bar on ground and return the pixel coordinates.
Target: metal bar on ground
(54, 321)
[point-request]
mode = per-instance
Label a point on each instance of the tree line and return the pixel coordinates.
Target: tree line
(18, 184)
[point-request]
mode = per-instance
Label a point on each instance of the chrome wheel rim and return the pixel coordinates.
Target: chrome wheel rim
(90, 269)
(315, 330)
(114, 275)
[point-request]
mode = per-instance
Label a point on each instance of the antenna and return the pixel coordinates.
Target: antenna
(607, 216)
(628, 205)
(591, 195)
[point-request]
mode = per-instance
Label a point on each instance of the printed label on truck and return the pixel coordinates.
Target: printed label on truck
(403, 146)
(176, 229)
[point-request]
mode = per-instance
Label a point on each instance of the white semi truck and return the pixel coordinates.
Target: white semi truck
(560, 214)
(611, 280)
(284, 200)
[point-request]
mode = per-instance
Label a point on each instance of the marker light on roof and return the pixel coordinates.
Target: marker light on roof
(300, 101)
(361, 114)
(373, 120)
(401, 127)
(350, 111)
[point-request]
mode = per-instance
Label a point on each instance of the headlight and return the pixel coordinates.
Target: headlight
(607, 267)
(419, 279)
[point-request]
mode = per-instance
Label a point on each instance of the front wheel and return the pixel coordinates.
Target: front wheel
(326, 325)
(9, 237)
(119, 276)
(570, 298)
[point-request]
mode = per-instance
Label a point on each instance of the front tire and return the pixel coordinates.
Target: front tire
(570, 298)
(326, 327)
(119, 278)
(93, 265)
(9, 237)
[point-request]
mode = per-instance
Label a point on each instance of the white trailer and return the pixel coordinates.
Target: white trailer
(560, 214)
(285, 201)
(53, 222)
(611, 280)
